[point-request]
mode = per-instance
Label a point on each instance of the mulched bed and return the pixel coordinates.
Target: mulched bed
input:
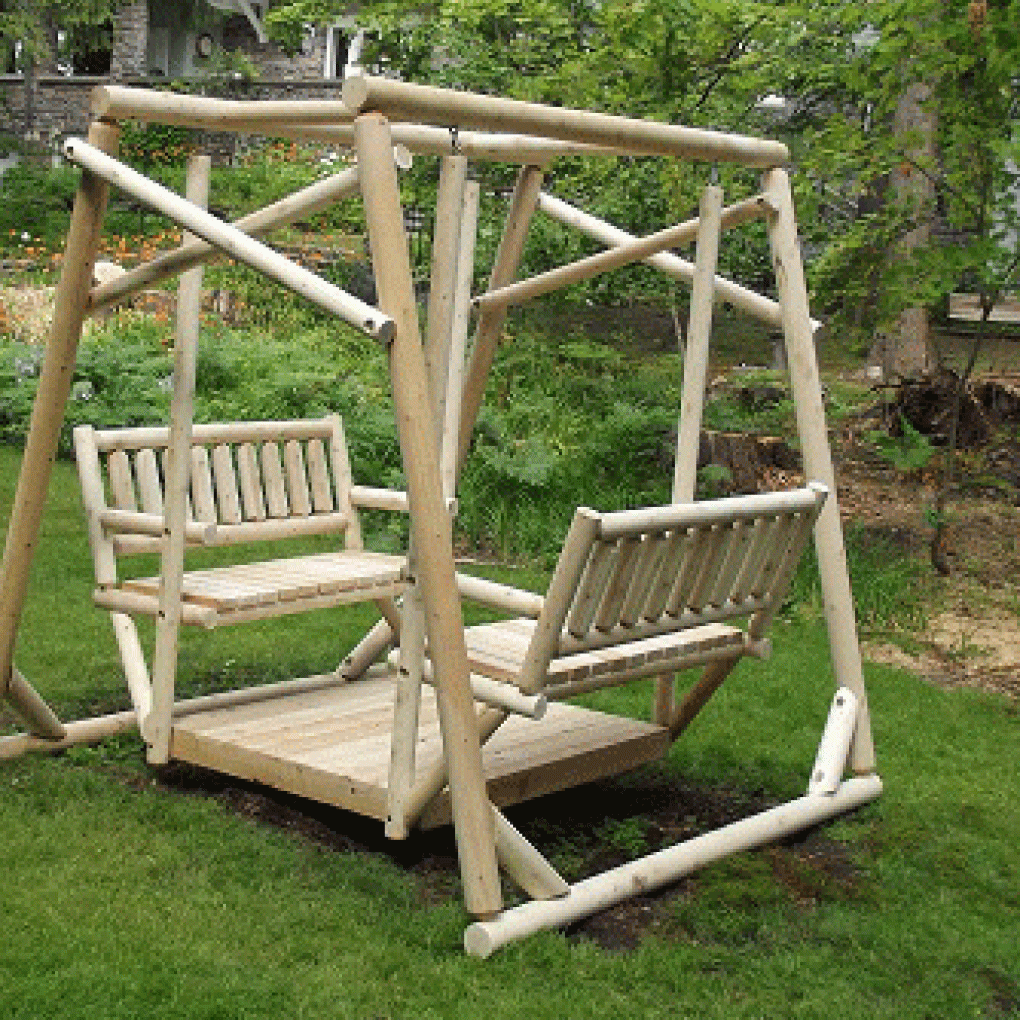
(645, 810)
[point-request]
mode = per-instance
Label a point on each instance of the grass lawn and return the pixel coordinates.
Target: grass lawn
(122, 899)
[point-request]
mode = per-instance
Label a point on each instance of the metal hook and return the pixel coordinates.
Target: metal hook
(454, 141)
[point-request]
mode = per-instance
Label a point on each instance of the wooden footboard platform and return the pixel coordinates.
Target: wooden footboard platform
(333, 745)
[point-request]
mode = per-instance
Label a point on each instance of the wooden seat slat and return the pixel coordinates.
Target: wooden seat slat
(592, 588)
(757, 549)
(645, 571)
(619, 582)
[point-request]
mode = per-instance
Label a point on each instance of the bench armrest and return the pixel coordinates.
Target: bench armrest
(129, 522)
(500, 596)
(387, 499)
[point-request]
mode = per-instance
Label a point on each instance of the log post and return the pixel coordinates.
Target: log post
(156, 729)
(692, 400)
(807, 396)
(490, 321)
(430, 520)
(442, 283)
(48, 414)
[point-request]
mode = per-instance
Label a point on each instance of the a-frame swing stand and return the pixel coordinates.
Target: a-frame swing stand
(635, 594)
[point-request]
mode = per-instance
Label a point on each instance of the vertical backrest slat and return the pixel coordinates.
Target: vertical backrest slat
(150, 486)
(658, 595)
(343, 482)
(653, 549)
(164, 460)
(318, 473)
(297, 480)
(760, 540)
(122, 486)
(730, 556)
(779, 541)
(272, 479)
(697, 549)
(591, 589)
(619, 583)
(253, 500)
(228, 501)
(716, 551)
(799, 534)
(201, 486)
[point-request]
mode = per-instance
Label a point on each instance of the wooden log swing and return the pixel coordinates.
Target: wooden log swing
(453, 724)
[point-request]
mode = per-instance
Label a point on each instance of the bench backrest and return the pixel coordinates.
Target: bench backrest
(629, 575)
(252, 480)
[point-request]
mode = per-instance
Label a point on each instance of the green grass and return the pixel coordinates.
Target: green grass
(123, 899)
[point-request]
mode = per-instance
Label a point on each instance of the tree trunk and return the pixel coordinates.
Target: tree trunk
(908, 353)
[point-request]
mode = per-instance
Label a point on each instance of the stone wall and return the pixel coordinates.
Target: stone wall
(130, 37)
(47, 109)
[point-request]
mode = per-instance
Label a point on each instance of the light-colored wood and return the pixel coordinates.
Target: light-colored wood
(450, 445)
(213, 433)
(182, 472)
(621, 574)
(344, 481)
(431, 536)
(572, 561)
(406, 709)
(136, 671)
(48, 410)
(665, 866)
(119, 600)
(94, 497)
(695, 699)
(485, 146)
(202, 499)
(378, 499)
(228, 500)
(834, 746)
(756, 305)
(807, 394)
(150, 488)
(400, 100)
(232, 241)
(705, 513)
(272, 477)
(443, 282)
(41, 720)
(699, 333)
(524, 864)
(297, 479)
(616, 257)
(318, 474)
(500, 596)
(302, 203)
(118, 102)
(253, 499)
(503, 696)
(231, 587)
(122, 486)
(378, 640)
(489, 327)
(332, 742)
(592, 589)
(126, 521)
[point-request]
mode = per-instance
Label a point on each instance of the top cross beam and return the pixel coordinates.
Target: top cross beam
(548, 130)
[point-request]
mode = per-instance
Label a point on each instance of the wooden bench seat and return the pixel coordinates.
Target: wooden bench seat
(249, 482)
(648, 592)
